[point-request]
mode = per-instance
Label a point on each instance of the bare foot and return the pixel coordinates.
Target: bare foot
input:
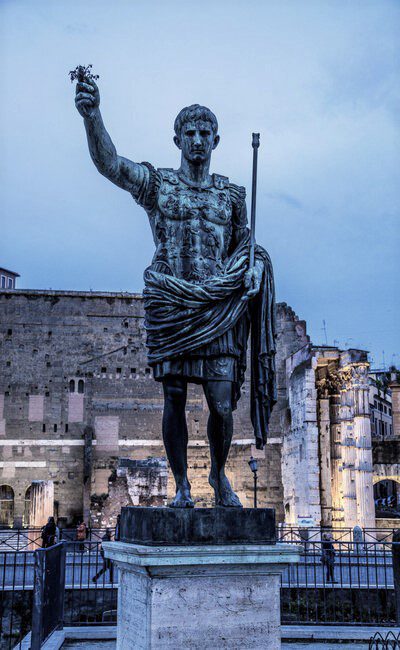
(224, 495)
(182, 499)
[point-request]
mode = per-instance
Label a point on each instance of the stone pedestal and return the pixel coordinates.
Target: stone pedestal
(199, 596)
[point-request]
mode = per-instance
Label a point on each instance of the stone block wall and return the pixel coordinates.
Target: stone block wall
(70, 360)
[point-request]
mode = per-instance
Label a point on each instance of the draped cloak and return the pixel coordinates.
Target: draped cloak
(181, 316)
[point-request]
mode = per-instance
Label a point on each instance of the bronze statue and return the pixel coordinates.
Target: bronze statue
(200, 295)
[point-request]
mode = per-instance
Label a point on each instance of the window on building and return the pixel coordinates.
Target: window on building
(103, 370)
(133, 371)
(119, 370)
(55, 428)
(384, 409)
(148, 371)
(10, 283)
(81, 386)
(375, 404)
(6, 505)
(8, 364)
(43, 428)
(3, 281)
(66, 428)
(9, 332)
(72, 386)
(390, 412)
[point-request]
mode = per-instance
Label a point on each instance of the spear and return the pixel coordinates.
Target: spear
(255, 144)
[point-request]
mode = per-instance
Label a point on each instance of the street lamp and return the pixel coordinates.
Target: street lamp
(253, 466)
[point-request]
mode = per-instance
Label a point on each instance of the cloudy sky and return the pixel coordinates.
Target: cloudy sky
(320, 81)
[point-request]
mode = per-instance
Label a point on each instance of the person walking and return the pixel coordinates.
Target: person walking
(81, 534)
(49, 532)
(328, 556)
(107, 563)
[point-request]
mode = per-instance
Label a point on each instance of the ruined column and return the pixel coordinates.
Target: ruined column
(348, 448)
(336, 461)
(325, 457)
(42, 503)
(363, 448)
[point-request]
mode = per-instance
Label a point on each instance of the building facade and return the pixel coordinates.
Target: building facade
(80, 419)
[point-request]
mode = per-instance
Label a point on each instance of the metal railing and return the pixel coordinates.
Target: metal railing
(286, 533)
(357, 587)
(86, 601)
(389, 641)
(29, 539)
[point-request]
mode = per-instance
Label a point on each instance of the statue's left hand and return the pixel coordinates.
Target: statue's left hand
(252, 280)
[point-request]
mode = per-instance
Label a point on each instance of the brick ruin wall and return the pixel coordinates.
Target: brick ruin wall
(70, 360)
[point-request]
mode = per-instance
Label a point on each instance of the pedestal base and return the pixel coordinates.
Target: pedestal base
(206, 597)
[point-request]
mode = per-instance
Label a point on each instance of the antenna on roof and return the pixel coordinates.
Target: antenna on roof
(324, 329)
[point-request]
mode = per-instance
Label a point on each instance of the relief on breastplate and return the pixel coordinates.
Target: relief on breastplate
(193, 229)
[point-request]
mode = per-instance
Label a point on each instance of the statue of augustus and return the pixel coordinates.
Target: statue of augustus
(201, 298)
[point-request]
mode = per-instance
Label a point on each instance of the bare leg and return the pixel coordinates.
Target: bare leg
(175, 436)
(220, 430)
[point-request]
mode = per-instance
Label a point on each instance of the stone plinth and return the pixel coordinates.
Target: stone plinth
(183, 526)
(199, 596)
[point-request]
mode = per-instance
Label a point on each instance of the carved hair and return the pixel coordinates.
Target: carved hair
(194, 113)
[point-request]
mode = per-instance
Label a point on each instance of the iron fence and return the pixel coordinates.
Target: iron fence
(389, 641)
(29, 539)
(87, 602)
(356, 588)
(286, 533)
(360, 591)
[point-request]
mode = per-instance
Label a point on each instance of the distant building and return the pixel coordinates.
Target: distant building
(8, 279)
(380, 404)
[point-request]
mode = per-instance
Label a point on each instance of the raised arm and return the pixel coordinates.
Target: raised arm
(119, 170)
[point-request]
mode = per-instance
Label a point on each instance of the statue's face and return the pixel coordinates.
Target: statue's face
(196, 141)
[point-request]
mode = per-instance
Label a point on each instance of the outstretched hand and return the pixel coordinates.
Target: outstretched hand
(87, 98)
(252, 280)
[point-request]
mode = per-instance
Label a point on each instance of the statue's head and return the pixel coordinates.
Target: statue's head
(196, 133)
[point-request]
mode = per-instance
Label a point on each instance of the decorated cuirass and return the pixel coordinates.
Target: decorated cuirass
(192, 226)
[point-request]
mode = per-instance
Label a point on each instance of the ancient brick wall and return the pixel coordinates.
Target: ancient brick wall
(75, 359)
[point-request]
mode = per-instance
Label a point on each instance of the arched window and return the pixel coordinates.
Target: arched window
(27, 508)
(81, 386)
(387, 499)
(72, 386)
(6, 506)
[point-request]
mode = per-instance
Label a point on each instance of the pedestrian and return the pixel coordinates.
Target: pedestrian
(117, 535)
(328, 556)
(81, 534)
(49, 532)
(107, 563)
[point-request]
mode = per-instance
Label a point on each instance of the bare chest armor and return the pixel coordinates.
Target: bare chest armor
(192, 227)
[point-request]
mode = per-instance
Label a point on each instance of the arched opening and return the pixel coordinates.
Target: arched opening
(387, 499)
(6, 506)
(72, 386)
(27, 508)
(81, 386)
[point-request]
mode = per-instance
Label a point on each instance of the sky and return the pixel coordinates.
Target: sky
(318, 79)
